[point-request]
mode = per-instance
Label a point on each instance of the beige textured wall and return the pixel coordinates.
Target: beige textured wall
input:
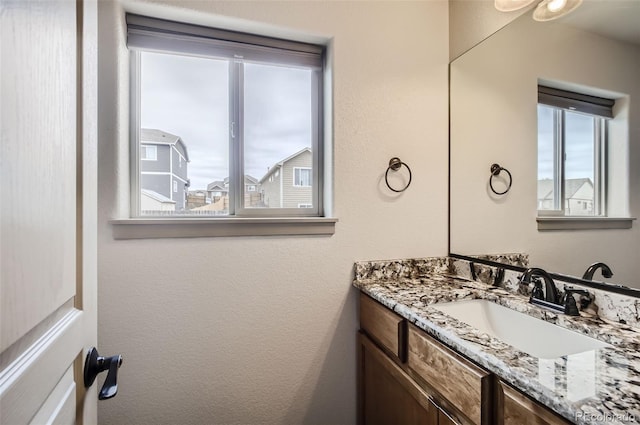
(262, 330)
(471, 21)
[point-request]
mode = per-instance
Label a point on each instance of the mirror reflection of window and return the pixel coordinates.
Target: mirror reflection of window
(572, 141)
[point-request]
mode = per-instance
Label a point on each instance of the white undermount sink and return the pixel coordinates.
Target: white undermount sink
(533, 336)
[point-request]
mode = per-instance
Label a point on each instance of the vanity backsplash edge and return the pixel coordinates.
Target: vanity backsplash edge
(411, 268)
(608, 306)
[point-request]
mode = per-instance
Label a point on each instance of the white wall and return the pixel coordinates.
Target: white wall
(494, 119)
(262, 330)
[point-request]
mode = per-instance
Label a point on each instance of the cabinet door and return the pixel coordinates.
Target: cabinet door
(514, 408)
(386, 393)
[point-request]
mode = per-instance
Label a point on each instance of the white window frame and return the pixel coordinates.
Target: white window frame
(175, 36)
(599, 167)
(147, 148)
(560, 102)
(294, 176)
(596, 106)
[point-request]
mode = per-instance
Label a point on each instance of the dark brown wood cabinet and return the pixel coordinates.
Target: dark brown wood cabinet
(515, 408)
(463, 385)
(388, 395)
(408, 377)
(384, 326)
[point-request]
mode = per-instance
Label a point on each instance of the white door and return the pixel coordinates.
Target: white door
(47, 210)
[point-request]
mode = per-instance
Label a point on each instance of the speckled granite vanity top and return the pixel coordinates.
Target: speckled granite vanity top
(599, 386)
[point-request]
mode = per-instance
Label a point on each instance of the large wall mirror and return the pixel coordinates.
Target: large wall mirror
(495, 119)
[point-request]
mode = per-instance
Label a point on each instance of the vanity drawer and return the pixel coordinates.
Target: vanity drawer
(515, 408)
(465, 386)
(384, 326)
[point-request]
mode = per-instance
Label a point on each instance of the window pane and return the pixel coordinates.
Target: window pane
(277, 136)
(579, 164)
(546, 159)
(302, 177)
(184, 117)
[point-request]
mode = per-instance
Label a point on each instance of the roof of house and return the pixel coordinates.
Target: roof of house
(281, 163)
(159, 137)
(571, 186)
(248, 179)
(222, 185)
(156, 196)
(216, 184)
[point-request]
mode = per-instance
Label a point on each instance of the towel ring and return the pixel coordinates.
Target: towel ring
(495, 171)
(394, 164)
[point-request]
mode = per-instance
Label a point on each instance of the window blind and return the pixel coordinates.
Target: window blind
(578, 102)
(177, 37)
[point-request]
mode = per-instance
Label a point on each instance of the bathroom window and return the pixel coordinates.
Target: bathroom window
(238, 107)
(572, 148)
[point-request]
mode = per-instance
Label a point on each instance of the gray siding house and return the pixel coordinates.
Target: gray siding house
(288, 184)
(163, 167)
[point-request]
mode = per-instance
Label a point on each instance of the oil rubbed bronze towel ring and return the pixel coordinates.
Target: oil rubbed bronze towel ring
(395, 164)
(495, 171)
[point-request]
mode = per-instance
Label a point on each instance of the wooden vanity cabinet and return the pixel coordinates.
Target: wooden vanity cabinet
(515, 408)
(407, 377)
(388, 396)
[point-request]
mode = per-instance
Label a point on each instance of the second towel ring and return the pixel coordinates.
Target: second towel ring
(495, 171)
(394, 164)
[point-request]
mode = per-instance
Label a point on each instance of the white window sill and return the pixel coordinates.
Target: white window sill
(154, 228)
(584, 223)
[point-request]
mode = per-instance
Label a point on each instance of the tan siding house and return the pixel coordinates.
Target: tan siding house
(288, 184)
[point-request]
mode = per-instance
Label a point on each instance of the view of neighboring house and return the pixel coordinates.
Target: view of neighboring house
(218, 192)
(163, 170)
(217, 189)
(578, 196)
(197, 198)
(252, 194)
(288, 183)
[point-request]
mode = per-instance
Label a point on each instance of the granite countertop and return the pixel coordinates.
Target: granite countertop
(600, 386)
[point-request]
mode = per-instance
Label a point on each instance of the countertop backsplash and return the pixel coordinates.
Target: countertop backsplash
(608, 306)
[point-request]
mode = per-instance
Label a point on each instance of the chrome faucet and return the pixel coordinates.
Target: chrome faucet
(606, 271)
(550, 291)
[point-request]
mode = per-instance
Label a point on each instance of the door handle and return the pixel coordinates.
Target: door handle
(96, 364)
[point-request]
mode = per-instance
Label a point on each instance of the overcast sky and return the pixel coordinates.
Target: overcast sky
(188, 97)
(578, 146)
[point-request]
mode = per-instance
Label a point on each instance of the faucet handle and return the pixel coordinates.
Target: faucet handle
(536, 292)
(569, 302)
